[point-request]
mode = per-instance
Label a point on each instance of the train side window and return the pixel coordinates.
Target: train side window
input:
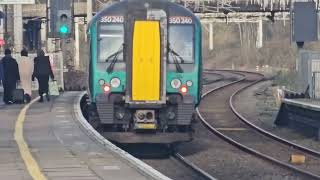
(181, 41)
(110, 40)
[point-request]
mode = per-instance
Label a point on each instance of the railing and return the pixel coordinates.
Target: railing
(198, 6)
(236, 5)
(316, 85)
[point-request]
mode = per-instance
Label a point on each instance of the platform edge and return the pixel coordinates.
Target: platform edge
(139, 165)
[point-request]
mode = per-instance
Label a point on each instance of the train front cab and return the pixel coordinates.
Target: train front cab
(150, 94)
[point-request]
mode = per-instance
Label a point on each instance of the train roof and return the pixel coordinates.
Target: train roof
(121, 8)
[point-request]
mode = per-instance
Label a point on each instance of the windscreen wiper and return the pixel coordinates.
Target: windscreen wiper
(114, 57)
(175, 57)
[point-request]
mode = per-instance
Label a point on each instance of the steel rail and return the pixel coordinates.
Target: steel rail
(241, 146)
(187, 162)
(264, 132)
(192, 166)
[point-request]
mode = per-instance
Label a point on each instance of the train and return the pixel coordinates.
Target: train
(145, 68)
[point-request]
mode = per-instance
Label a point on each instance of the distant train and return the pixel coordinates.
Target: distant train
(145, 71)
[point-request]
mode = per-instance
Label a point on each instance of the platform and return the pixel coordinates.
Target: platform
(312, 104)
(11, 164)
(58, 146)
(300, 114)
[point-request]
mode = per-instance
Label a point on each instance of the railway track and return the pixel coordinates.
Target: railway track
(266, 133)
(195, 168)
(179, 165)
(167, 160)
(198, 173)
(224, 121)
(176, 159)
(174, 164)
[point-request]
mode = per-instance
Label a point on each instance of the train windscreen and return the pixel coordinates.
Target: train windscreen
(181, 44)
(110, 42)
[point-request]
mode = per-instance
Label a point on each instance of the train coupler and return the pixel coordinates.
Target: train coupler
(145, 120)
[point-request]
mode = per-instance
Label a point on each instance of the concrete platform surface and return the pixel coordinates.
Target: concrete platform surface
(11, 164)
(312, 104)
(64, 151)
(57, 144)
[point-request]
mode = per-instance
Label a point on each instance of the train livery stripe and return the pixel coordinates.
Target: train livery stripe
(146, 61)
(31, 164)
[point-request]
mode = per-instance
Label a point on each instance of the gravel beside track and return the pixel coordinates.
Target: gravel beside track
(261, 110)
(217, 157)
(221, 117)
(222, 160)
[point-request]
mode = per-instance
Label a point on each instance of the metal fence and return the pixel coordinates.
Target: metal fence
(308, 66)
(316, 85)
(56, 60)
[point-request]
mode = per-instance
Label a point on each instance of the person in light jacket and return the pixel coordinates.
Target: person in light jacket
(42, 71)
(26, 71)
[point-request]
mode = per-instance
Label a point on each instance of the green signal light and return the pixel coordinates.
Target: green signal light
(64, 29)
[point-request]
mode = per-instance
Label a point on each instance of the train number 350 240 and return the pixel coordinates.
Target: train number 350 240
(112, 19)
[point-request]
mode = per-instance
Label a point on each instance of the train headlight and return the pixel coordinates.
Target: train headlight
(102, 82)
(189, 83)
(184, 90)
(176, 83)
(115, 82)
(106, 88)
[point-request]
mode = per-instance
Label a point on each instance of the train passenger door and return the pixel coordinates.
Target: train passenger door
(146, 61)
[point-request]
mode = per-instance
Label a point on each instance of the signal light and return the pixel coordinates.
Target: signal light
(64, 29)
(61, 18)
(184, 89)
(106, 88)
(64, 23)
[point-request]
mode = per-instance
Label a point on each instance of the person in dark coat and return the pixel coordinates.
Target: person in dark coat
(42, 71)
(1, 73)
(11, 76)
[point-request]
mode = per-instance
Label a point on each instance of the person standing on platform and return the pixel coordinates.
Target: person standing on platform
(42, 71)
(11, 76)
(26, 70)
(1, 76)
(1, 73)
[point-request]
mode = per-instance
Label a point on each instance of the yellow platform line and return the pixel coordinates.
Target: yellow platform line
(31, 164)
